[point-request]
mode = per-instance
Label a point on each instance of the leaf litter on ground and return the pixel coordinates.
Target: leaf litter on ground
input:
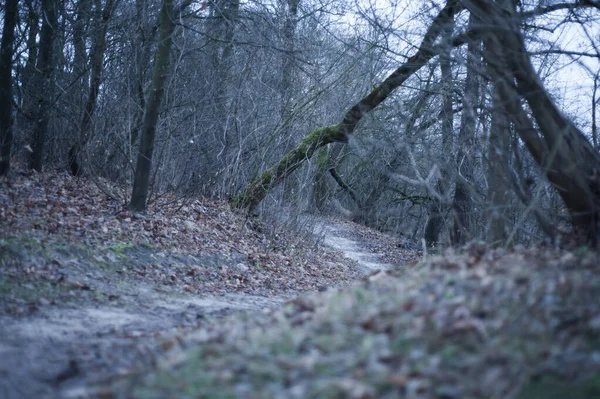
(57, 224)
(521, 323)
(84, 281)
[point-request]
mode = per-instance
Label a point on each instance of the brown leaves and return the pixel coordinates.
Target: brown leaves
(57, 207)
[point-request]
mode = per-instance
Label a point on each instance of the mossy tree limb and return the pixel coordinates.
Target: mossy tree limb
(258, 188)
(256, 191)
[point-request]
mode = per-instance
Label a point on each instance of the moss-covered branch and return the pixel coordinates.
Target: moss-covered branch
(258, 188)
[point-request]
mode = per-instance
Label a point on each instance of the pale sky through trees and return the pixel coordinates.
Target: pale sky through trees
(569, 77)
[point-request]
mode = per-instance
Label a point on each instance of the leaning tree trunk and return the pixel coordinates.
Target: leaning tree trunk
(567, 158)
(258, 188)
(6, 97)
(43, 83)
(159, 78)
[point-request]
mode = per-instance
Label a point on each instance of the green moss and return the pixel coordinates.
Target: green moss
(322, 158)
(119, 248)
(258, 188)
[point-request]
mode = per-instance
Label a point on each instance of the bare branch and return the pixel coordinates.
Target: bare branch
(560, 6)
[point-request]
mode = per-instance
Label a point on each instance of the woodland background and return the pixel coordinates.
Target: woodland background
(438, 123)
(200, 98)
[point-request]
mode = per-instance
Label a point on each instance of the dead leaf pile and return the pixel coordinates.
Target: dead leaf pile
(54, 224)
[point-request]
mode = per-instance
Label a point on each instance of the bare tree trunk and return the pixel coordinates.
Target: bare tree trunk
(159, 78)
(27, 76)
(320, 192)
(6, 97)
(496, 174)
(567, 158)
(435, 220)
(138, 67)
(97, 64)
(287, 69)
(291, 186)
(256, 191)
(80, 36)
(462, 205)
(222, 28)
(44, 85)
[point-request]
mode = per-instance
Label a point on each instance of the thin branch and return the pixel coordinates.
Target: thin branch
(565, 52)
(538, 11)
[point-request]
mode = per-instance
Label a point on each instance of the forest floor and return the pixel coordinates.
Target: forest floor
(193, 300)
(89, 291)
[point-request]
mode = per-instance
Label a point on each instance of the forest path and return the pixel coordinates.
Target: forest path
(57, 351)
(341, 236)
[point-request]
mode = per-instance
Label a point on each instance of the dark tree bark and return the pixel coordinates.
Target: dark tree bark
(27, 75)
(97, 63)
(6, 97)
(159, 78)
(256, 191)
(80, 67)
(44, 86)
(146, 35)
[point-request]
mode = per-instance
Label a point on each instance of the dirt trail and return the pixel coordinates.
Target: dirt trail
(55, 352)
(59, 350)
(339, 236)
